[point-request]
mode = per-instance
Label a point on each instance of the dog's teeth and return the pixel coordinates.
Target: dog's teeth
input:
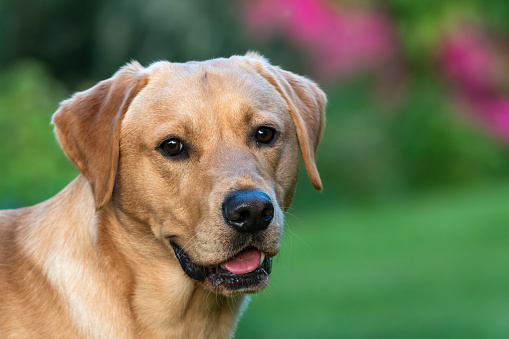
(222, 266)
(262, 258)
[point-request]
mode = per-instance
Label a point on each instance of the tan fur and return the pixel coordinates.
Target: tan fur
(95, 260)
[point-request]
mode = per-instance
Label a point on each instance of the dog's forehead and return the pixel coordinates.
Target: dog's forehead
(219, 89)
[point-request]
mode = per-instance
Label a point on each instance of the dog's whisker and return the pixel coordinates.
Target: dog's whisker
(190, 239)
(287, 230)
(228, 304)
(151, 239)
(191, 246)
(217, 301)
(294, 216)
(207, 302)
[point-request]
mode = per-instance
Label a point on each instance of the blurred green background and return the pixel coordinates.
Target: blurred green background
(410, 237)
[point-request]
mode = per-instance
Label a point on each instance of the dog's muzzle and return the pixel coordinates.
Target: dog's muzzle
(249, 211)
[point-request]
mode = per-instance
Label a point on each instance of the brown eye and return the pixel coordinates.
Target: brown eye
(172, 147)
(265, 135)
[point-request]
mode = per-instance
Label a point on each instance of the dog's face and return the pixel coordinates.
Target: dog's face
(207, 161)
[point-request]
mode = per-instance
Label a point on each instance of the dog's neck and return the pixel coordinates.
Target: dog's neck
(149, 294)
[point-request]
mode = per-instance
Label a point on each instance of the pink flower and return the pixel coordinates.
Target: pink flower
(473, 67)
(494, 113)
(339, 42)
(470, 61)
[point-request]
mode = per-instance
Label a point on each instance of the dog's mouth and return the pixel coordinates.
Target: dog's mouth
(247, 272)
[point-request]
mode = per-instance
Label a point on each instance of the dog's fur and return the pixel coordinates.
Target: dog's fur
(95, 260)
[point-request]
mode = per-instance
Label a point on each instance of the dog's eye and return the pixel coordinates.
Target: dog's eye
(172, 147)
(265, 135)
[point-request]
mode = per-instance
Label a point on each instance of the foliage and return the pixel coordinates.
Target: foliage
(370, 151)
(87, 41)
(32, 166)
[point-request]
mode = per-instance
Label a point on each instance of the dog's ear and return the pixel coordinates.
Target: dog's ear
(88, 127)
(306, 102)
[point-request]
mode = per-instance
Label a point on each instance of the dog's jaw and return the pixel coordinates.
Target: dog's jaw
(166, 300)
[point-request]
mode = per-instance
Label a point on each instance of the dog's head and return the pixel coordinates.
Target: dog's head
(203, 156)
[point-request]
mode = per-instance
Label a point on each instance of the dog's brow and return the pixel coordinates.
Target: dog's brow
(248, 112)
(174, 128)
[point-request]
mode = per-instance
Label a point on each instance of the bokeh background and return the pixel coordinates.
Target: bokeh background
(410, 237)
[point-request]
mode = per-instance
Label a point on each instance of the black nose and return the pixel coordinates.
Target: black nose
(248, 211)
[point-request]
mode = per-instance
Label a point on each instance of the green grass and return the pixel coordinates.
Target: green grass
(428, 267)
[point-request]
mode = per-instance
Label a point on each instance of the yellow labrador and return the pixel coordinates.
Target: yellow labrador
(186, 171)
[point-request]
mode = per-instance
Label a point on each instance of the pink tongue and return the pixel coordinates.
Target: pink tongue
(244, 262)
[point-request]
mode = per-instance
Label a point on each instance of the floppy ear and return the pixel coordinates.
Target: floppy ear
(88, 127)
(306, 102)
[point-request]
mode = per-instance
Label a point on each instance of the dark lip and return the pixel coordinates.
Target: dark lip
(218, 276)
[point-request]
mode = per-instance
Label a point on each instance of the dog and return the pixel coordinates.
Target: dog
(186, 172)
